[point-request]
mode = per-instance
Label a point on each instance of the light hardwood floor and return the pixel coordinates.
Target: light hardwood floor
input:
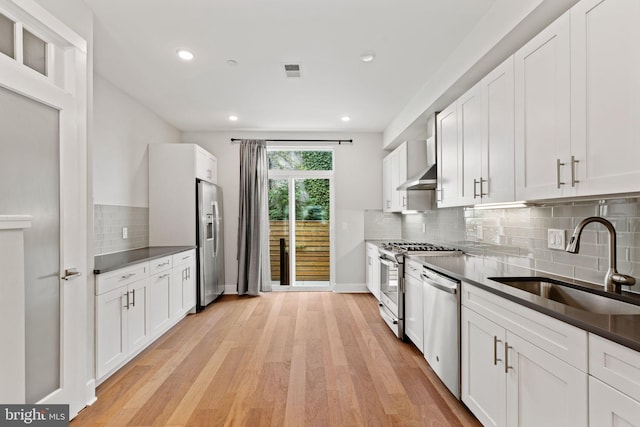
(281, 359)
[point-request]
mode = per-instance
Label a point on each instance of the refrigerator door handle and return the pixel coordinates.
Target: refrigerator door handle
(216, 225)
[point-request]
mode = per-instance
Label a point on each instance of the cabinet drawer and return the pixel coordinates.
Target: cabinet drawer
(160, 264)
(562, 340)
(413, 269)
(184, 257)
(114, 279)
(615, 364)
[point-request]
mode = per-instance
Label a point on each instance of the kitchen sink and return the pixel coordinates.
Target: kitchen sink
(570, 295)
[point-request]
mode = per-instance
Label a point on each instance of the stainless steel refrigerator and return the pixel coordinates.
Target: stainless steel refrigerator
(210, 257)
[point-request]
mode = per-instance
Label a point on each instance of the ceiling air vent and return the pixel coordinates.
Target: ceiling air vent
(292, 70)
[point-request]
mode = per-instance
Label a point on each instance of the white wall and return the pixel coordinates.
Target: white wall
(358, 186)
(122, 130)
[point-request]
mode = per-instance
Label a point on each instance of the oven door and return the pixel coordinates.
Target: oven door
(389, 284)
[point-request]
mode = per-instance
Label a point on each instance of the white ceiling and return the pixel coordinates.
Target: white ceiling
(136, 40)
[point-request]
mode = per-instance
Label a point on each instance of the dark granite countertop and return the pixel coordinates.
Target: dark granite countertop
(623, 329)
(114, 261)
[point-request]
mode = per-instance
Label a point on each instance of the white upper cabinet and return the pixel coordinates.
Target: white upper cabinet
(605, 96)
(409, 157)
(475, 140)
(447, 134)
(497, 180)
(542, 114)
(578, 104)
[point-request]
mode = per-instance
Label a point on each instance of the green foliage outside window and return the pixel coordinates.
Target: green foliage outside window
(312, 195)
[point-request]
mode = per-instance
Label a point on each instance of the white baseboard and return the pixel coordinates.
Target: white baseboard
(230, 289)
(90, 392)
(350, 288)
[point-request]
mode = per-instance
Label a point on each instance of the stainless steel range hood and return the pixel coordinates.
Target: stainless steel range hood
(424, 180)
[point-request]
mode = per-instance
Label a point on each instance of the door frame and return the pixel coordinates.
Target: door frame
(291, 176)
(64, 89)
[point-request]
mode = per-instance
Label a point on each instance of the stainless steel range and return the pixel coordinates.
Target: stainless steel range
(392, 277)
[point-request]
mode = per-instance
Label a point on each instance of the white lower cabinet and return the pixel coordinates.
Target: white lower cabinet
(183, 285)
(509, 381)
(133, 308)
(122, 323)
(159, 290)
(413, 304)
(373, 270)
(610, 408)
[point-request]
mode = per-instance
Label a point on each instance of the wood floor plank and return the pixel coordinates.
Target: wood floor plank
(281, 359)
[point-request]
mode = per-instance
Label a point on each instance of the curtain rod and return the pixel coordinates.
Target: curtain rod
(337, 141)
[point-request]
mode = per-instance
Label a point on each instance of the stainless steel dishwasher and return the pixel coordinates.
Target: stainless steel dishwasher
(442, 327)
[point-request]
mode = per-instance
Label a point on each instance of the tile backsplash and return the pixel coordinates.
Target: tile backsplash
(108, 222)
(379, 225)
(520, 235)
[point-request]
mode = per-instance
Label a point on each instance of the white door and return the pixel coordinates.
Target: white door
(542, 390)
(610, 408)
(542, 114)
(498, 180)
(605, 95)
(447, 123)
(159, 300)
(138, 330)
(413, 310)
(188, 287)
(111, 325)
(482, 366)
(387, 177)
(399, 166)
(470, 146)
(44, 102)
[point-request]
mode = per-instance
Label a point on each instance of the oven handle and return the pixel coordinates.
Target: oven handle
(388, 263)
(451, 289)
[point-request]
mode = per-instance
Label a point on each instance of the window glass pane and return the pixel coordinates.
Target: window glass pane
(7, 36)
(35, 52)
(307, 160)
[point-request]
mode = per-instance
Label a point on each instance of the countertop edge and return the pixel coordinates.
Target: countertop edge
(117, 260)
(489, 286)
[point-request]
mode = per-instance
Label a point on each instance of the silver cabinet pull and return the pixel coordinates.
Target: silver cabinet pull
(574, 181)
(506, 358)
(71, 273)
(127, 304)
(133, 304)
(164, 263)
(482, 193)
(439, 195)
(558, 182)
(127, 276)
(163, 276)
(495, 350)
(475, 185)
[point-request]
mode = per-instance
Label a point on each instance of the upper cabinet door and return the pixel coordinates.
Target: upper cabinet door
(470, 146)
(447, 123)
(542, 114)
(605, 95)
(497, 180)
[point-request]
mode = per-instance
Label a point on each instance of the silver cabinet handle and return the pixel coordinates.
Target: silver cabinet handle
(71, 273)
(163, 276)
(133, 304)
(185, 257)
(482, 193)
(127, 304)
(558, 182)
(164, 263)
(495, 350)
(574, 181)
(506, 358)
(438, 194)
(127, 276)
(475, 185)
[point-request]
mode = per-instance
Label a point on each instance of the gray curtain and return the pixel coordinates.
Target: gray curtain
(254, 272)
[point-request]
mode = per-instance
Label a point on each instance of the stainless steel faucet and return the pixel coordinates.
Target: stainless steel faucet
(613, 280)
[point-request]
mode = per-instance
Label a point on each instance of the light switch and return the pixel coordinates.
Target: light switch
(125, 233)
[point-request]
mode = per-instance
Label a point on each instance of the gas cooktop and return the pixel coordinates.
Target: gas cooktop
(395, 248)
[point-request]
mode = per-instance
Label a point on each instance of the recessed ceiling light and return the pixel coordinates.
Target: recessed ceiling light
(345, 118)
(367, 56)
(233, 118)
(185, 55)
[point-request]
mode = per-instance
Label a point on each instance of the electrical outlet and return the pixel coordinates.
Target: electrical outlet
(125, 233)
(424, 228)
(555, 239)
